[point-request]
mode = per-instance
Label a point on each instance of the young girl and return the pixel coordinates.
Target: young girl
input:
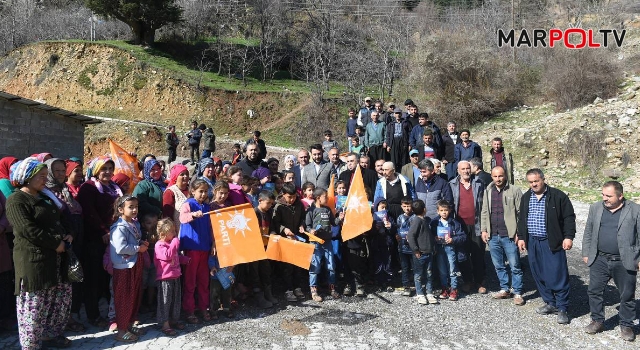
(196, 240)
(307, 194)
(167, 262)
(236, 196)
(220, 195)
(126, 251)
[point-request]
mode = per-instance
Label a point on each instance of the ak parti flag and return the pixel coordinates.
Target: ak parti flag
(331, 195)
(357, 214)
(290, 251)
(125, 163)
(237, 235)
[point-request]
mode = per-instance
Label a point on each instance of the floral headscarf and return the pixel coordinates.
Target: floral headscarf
(96, 164)
(22, 171)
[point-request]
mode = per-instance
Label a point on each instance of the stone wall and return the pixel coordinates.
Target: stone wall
(27, 130)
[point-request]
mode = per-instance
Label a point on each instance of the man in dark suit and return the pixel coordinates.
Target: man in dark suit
(298, 170)
(369, 177)
(318, 172)
(450, 139)
(609, 249)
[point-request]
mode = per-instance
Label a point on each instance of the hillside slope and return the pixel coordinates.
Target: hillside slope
(99, 79)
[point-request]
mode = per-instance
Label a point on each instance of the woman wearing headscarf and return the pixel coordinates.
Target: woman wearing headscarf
(74, 176)
(42, 157)
(7, 299)
(96, 196)
(149, 191)
(289, 162)
(217, 167)
(58, 191)
(5, 168)
(206, 172)
(176, 194)
(41, 283)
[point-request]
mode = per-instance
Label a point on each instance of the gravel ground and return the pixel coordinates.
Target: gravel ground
(389, 320)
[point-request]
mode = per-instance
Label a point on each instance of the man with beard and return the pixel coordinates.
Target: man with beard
(397, 139)
(499, 157)
(425, 124)
(318, 172)
(369, 177)
(252, 160)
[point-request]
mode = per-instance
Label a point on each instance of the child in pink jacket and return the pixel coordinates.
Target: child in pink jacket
(167, 262)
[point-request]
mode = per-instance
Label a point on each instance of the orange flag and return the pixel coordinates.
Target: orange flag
(290, 251)
(331, 195)
(237, 235)
(125, 163)
(357, 215)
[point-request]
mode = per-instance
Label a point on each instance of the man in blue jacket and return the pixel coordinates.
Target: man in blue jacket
(431, 188)
(546, 228)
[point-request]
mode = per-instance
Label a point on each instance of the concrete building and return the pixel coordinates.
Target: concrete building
(28, 127)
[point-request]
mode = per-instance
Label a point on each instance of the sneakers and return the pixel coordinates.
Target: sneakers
(347, 290)
(503, 294)
(290, 296)
(406, 292)
(298, 293)
(444, 294)
(453, 295)
(432, 299)
(360, 291)
(594, 327)
(626, 333)
(422, 300)
(315, 296)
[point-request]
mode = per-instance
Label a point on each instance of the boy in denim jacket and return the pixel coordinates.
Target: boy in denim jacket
(449, 242)
(404, 250)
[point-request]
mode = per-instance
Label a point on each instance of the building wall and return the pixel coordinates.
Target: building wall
(26, 130)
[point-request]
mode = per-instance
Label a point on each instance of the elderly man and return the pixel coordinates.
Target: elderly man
(298, 170)
(337, 164)
(411, 170)
(467, 198)
(477, 169)
(431, 188)
(392, 187)
(450, 140)
(365, 162)
(369, 177)
(318, 172)
(374, 138)
(499, 220)
(378, 168)
(546, 228)
(252, 160)
(608, 248)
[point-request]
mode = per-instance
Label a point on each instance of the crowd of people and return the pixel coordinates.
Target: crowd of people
(150, 247)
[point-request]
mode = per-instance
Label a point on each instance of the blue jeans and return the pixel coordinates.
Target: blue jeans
(406, 263)
(422, 273)
(501, 248)
(322, 251)
(447, 260)
(206, 154)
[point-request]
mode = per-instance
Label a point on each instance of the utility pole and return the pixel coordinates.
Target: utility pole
(513, 26)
